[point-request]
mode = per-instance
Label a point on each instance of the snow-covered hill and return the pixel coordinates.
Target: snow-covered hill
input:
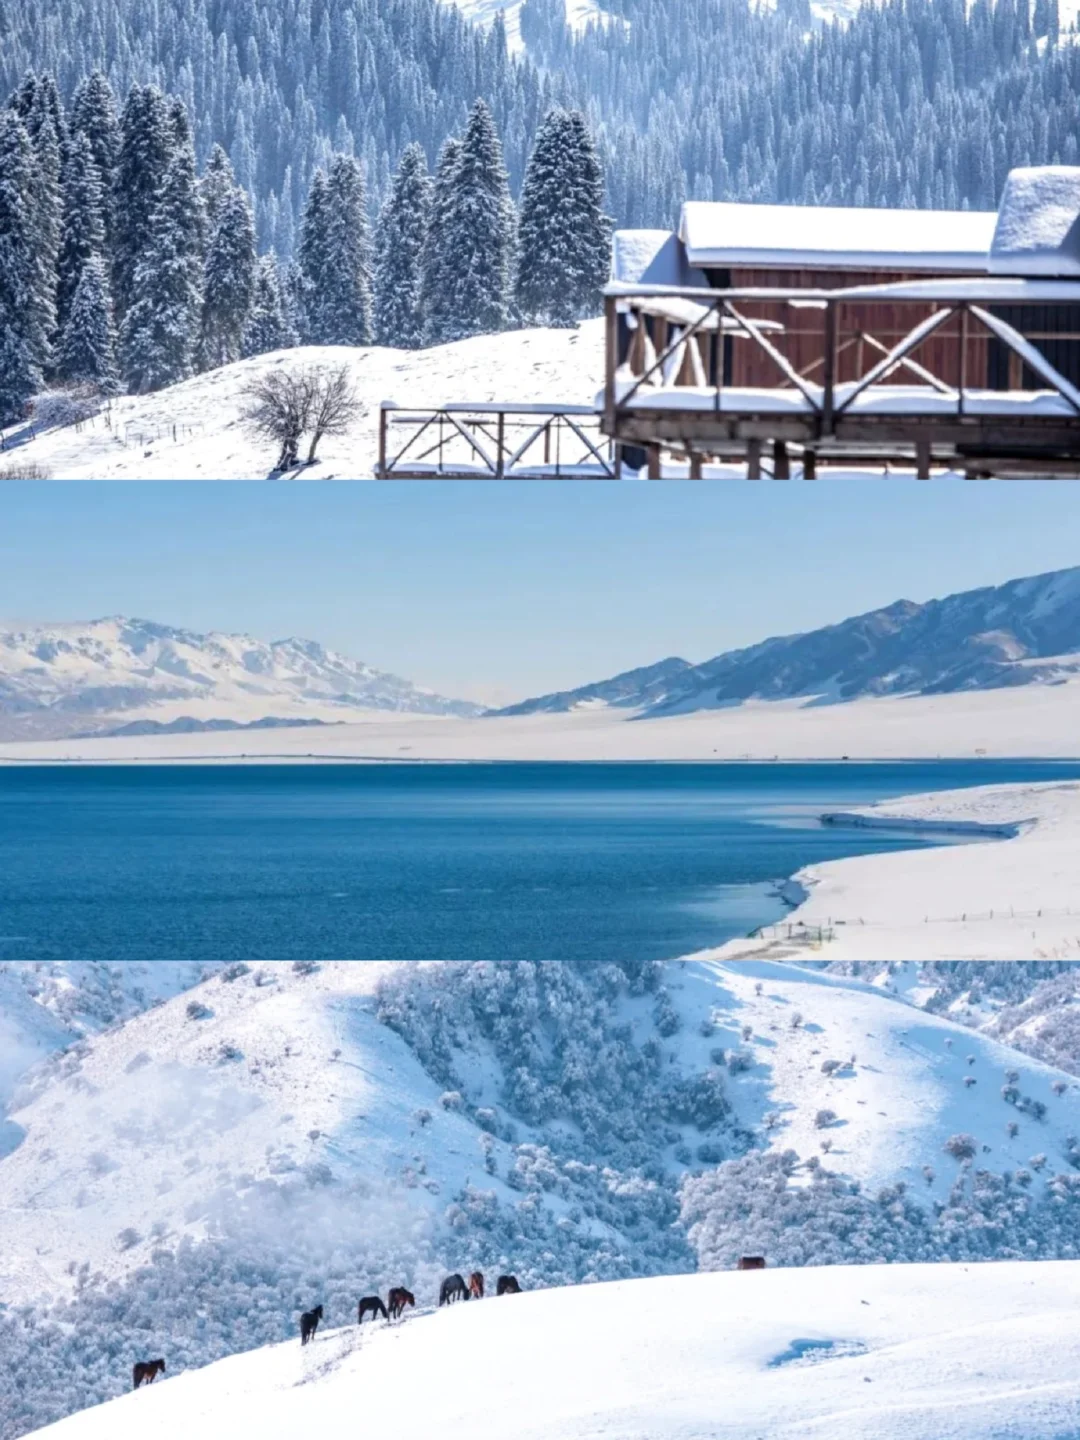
(69, 679)
(871, 1353)
(193, 431)
(1024, 632)
(185, 1181)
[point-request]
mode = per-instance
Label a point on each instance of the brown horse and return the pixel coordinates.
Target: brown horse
(309, 1323)
(476, 1285)
(507, 1285)
(370, 1305)
(399, 1298)
(145, 1370)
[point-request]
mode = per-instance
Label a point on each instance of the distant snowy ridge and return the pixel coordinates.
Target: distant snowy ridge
(54, 679)
(1024, 632)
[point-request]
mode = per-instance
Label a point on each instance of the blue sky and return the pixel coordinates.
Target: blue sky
(496, 591)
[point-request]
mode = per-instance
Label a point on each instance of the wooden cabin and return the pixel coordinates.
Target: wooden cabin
(720, 245)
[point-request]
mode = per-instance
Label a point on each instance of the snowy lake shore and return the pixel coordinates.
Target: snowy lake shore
(1011, 898)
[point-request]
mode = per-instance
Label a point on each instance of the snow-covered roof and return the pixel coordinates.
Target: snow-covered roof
(652, 257)
(1038, 228)
(830, 237)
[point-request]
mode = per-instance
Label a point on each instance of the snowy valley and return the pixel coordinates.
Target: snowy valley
(183, 1182)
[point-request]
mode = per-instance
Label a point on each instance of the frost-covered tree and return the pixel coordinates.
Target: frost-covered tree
(479, 243)
(87, 349)
(340, 303)
(83, 232)
(564, 237)
(142, 161)
(311, 257)
(437, 261)
(269, 326)
(93, 114)
(27, 311)
(229, 280)
(399, 248)
(160, 329)
(216, 185)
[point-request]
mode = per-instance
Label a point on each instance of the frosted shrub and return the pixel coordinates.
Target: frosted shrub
(824, 1118)
(830, 1067)
(235, 971)
(961, 1147)
(196, 1010)
(451, 1100)
(739, 1061)
(128, 1238)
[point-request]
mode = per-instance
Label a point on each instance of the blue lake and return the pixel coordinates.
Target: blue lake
(487, 861)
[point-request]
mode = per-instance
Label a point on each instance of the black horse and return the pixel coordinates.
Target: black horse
(507, 1285)
(309, 1323)
(453, 1288)
(371, 1305)
(399, 1298)
(145, 1370)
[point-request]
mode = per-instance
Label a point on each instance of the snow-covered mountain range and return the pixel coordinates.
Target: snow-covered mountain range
(108, 674)
(201, 1154)
(1025, 632)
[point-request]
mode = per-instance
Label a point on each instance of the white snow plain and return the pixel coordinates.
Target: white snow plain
(902, 1352)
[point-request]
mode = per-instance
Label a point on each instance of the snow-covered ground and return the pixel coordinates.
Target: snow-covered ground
(1032, 721)
(193, 431)
(1010, 898)
(871, 1353)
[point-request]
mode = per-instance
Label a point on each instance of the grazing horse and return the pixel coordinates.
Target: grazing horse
(476, 1285)
(371, 1305)
(507, 1285)
(309, 1323)
(145, 1370)
(451, 1289)
(399, 1298)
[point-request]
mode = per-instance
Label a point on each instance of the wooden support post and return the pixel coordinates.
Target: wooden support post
(611, 325)
(781, 464)
(653, 453)
(695, 464)
(500, 446)
(1016, 371)
(963, 359)
(922, 459)
(829, 375)
(753, 459)
(382, 443)
(809, 465)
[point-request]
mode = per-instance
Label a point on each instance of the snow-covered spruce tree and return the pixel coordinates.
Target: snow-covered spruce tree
(591, 227)
(93, 114)
(311, 257)
(87, 348)
(27, 313)
(145, 150)
(436, 261)
(269, 325)
(564, 237)
(190, 214)
(399, 248)
(217, 184)
(229, 280)
(480, 233)
(341, 313)
(83, 232)
(160, 329)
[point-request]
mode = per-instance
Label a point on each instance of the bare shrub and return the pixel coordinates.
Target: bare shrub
(24, 470)
(66, 405)
(961, 1147)
(283, 405)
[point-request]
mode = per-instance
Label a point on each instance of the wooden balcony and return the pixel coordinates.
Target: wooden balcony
(974, 375)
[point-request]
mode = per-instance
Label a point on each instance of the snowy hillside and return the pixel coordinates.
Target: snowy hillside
(192, 431)
(185, 1182)
(100, 674)
(878, 1353)
(1024, 632)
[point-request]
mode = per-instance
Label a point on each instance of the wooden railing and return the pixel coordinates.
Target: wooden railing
(492, 441)
(674, 358)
